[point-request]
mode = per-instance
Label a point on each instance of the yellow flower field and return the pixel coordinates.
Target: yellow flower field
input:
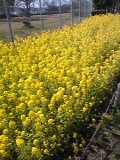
(51, 80)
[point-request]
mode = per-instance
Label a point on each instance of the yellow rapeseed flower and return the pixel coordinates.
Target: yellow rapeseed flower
(5, 131)
(35, 151)
(20, 142)
(3, 153)
(36, 142)
(75, 150)
(50, 121)
(85, 109)
(75, 135)
(51, 79)
(12, 124)
(46, 151)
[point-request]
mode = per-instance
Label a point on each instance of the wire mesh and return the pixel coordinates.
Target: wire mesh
(43, 15)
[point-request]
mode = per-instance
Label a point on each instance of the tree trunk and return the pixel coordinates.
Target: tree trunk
(117, 6)
(113, 7)
(27, 9)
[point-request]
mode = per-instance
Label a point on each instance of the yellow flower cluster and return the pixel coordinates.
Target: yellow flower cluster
(49, 80)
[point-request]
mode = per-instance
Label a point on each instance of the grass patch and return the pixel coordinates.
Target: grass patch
(50, 22)
(2, 35)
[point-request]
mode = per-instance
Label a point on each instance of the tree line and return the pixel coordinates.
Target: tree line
(108, 5)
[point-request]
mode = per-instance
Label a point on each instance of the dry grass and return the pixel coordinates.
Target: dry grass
(50, 22)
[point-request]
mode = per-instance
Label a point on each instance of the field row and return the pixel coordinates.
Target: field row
(51, 82)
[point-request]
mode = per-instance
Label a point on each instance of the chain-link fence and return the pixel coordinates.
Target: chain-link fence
(23, 19)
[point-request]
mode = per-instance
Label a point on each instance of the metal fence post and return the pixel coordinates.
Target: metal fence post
(8, 19)
(71, 11)
(79, 11)
(117, 97)
(41, 18)
(84, 8)
(60, 14)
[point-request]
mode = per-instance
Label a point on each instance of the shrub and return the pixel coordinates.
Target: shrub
(98, 11)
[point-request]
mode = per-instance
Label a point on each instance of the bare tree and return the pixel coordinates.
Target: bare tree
(52, 6)
(8, 4)
(25, 5)
(33, 6)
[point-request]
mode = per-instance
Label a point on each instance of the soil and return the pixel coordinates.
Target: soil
(106, 144)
